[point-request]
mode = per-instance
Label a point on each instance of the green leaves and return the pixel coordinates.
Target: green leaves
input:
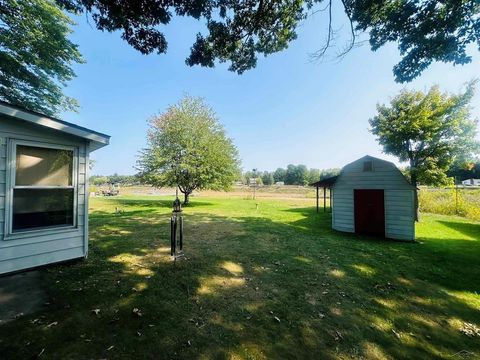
(36, 55)
(238, 31)
(249, 29)
(426, 31)
(188, 146)
(429, 131)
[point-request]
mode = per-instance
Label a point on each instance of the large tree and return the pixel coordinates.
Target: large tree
(188, 147)
(279, 175)
(313, 175)
(36, 55)
(237, 31)
(296, 175)
(429, 131)
(267, 178)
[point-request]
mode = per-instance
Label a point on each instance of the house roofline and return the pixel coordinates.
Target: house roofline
(97, 139)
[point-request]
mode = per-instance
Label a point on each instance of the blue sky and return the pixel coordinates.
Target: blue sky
(287, 110)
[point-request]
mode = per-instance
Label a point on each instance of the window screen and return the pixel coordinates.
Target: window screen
(43, 192)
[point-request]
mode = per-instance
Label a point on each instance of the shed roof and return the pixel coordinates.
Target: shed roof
(97, 140)
(347, 168)
(369, 157)
(325, 183)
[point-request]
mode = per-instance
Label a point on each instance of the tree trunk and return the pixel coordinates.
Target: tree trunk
(417, 211)
(415, 197)
(186, 197)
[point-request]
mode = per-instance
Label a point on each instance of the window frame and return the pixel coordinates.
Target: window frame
(10, 187)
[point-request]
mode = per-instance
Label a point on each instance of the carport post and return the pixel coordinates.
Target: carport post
(317, 199)
(330, 195)
(324, 199)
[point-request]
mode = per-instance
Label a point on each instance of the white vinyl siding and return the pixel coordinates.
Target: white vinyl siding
(3, 178)
(399, 214)
(30, 249)
(398, 197)
(342, 215)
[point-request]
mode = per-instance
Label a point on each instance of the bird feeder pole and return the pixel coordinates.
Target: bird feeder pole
(176, 221)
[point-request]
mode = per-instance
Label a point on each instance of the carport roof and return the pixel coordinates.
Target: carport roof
(325, 183)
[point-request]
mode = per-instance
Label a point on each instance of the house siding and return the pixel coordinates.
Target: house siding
(398, 197)
(34, 249)
(3, 177)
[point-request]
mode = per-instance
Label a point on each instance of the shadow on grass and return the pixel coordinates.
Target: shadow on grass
(251, 288)
(468, 229)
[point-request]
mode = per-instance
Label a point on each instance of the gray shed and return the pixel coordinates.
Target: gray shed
(372, 197)
(43, 188)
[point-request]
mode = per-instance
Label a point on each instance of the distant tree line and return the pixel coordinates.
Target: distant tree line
(123, 180)
(292, 175)
(463, 170)
(298, 175)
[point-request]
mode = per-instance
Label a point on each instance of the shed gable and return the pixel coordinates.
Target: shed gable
(372, 173)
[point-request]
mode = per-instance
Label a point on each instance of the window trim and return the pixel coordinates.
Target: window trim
(10, 186)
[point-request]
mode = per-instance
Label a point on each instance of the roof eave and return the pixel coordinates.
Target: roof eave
(97, 140)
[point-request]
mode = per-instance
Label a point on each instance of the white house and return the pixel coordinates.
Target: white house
(43, 188)
(471, 182)
(372, 197)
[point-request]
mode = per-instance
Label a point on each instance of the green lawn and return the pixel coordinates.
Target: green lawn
(269, 283)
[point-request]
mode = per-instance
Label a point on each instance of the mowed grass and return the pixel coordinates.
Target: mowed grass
(271, 281)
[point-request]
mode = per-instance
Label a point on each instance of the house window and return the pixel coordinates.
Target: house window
(42, 187)
(368, 165)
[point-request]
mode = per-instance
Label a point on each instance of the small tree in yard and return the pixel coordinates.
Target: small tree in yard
(429, 131)
(188, 147)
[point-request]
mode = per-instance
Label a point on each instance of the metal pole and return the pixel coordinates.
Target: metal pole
(172, 236)
(317, 199)
(181, 233)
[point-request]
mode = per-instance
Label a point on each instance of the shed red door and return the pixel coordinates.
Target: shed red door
(369, 212)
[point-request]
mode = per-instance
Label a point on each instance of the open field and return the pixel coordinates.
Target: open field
(463, 202)
(269, 283)
(244, 192)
